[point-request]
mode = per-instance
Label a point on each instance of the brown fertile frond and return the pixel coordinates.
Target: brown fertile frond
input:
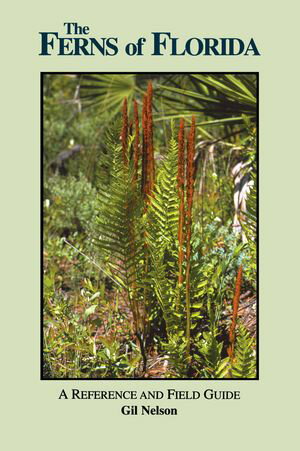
(150, 149)
(130, 133)
(124, 135)
(148, 166)
(180, 185)
(136, 139)
(144, 153)
(189, 200)
(190, 181)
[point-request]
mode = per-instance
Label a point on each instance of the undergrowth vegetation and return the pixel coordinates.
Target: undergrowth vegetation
(149, 216)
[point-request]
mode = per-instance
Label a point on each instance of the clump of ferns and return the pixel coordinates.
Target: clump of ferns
(213, 274)
(169, 234)
(138, 226)
(243, 364)
(241, 349)
(146, 229)
(123, 206)
(241, 360)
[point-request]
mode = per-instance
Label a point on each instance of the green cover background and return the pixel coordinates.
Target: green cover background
(266, 414)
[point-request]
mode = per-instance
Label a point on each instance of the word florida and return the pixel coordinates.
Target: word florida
(163, 44)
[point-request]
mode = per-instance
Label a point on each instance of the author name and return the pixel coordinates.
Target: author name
(148, 410)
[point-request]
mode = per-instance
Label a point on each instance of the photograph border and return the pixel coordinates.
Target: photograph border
(42, 73)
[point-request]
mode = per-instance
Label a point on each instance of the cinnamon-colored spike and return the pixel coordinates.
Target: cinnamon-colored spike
(148, 166)
(190, 182)
(124, 135)
(180, 185)
(189, 200)
(150, 150)
(136, 139)
(144, 148)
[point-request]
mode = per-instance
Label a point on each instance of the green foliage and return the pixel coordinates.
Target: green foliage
(69, 204)
(216, 258)
(244, 363)
(208, 358)
(118, 222)
(74, 323)
(112, 307)
(176, 351)
(64, 124)
(113, 361)
(162, 241)
(163, 212)
(106, 91)
(225, 97)
(71, 340)
(249, 225)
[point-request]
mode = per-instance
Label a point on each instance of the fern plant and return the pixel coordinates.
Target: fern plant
(120, 233)
(244, 362)
(169, 252)
(161, 236)
(209, 361)
(145, 229)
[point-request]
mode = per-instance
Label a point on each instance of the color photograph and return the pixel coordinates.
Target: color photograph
(149, 225)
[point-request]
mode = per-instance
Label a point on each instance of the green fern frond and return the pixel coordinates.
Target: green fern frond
(162, 241)
(163, 212)
(118, 222)
(244, 364)
(210, 353)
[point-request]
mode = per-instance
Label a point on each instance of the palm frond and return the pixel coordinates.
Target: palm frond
(107, 91)
(224, 97)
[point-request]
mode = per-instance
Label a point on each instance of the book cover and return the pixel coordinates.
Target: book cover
(149, 225)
